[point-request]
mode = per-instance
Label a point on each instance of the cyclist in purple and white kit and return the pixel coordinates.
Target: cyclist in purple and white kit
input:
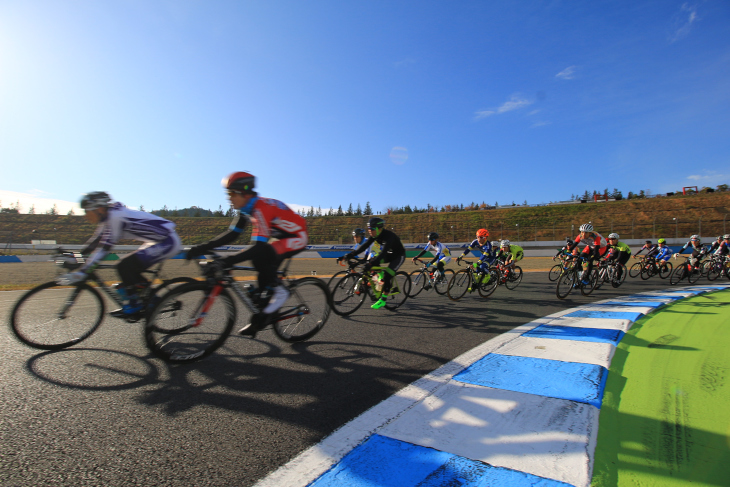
(116, 222)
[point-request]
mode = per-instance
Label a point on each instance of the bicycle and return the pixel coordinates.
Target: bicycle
(685, 269)
(350, 291)
(345, 298)
(194, 320)
(53, 317)
(464, 280)
(511, 278)
(635, 269)
(652, 268)
(555, 270)
(715, 267)
(571, 277)
(609, 272)
(423, 279)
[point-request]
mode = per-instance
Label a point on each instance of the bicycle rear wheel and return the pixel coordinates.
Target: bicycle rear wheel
(52, 317)
(514, 279)
(305, 312)
(635, 270)
(619, 275)
(587, 289)
(487, 288)
(399, 296)
(665, 270)
(348, 292)
(459, 284)
(419, 280)
(646, 272)
(442, 285)
(555, 271)
(678, 274)
(565, 284)
(694, 275)
(178, 330)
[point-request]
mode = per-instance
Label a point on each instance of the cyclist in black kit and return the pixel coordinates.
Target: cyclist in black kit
(391, 253)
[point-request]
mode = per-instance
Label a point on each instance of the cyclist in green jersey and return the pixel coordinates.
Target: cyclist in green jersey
(510, 254)
(618, 251)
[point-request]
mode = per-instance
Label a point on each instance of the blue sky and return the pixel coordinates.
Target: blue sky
(330, 103)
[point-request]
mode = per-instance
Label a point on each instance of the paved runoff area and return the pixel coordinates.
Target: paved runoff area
(523, 409)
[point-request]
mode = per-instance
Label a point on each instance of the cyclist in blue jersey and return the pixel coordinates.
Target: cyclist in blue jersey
(487, 249)
(116, 222)
(663, 254)
(699, 251)
(358, 235)
(441, 254)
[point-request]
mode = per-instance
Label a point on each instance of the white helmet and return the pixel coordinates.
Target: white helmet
(613, 235)
(504, 243)
(586, 227)
(726, 236)
(495, 243)
(695, 237)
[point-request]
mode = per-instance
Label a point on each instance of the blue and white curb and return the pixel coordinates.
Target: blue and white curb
(521, 409)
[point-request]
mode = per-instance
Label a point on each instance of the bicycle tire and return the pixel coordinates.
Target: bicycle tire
(554, 272)
(713, 270)
(305, 312)
(459, 284)
(487, 288)
(164, 288)
(347, 295)
(395, 301)
(678, 274)
(419, 281)
(36, 318)
(635, 270)
(514, 279)
(666, 270)
(441, 286)
(617, 281)
(593, 280)
(647, 272)
(565, 283)
(693, 275)
(171, 336)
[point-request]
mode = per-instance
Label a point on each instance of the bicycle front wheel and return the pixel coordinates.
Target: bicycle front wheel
(565, 284)
(419, 279)
(459, 284)
(398, 295)
(487, 288)
(305, 312)
(514, 279)
(635, 270)
(619, 275)
(555, 271)
(348, 292)
(189, 324)
(52, 317)
(442, 285)
(665, 270)
(678, 274)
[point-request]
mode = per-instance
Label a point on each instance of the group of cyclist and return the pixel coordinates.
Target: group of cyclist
(272, 219)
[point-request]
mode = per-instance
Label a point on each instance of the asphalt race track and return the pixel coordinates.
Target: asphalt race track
(106, 413)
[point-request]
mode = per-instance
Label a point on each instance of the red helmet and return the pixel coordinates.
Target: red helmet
(239, 181)
(482, 232)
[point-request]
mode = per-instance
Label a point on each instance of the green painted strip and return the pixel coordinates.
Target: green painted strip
(665, 418)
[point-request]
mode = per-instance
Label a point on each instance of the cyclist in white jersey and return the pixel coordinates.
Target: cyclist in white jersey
(441, 254)
(117, 222)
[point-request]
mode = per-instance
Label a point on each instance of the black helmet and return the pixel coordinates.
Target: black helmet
(432, 236)
(239, 181)
(376, 222)
(648, 241)
(94, 200)
(358, 232)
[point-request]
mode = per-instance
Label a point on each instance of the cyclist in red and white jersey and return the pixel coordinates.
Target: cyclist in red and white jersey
(595, 246)
(271, 219)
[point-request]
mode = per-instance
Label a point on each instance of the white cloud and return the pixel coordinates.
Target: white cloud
(41, 204)
(567, 73)
(540, 124)
(514, 103)
(710, 179)
(682, 22)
